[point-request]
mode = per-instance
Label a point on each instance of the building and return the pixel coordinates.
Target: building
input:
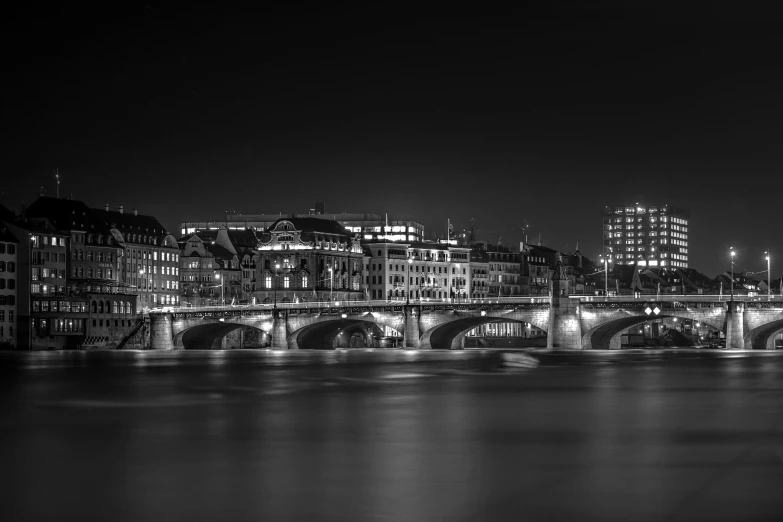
(479, 273)
(150, 255)
(243, 244)
(418, 270)
(308, 259)
(70, 294)
(370, 227)
(210, 271)
(9, 245)
(653, 236)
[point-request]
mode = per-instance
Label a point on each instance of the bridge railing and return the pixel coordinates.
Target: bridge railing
(670, 297)
(354, 303)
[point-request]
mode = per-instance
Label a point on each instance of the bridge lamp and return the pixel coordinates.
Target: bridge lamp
(769, 277)
(343, 316)
(732, 272)
(222, 320)
(483, 313)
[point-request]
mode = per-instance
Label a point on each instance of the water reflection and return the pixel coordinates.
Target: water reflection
(239, 436)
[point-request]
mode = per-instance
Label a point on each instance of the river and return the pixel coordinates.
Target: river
(238, 435)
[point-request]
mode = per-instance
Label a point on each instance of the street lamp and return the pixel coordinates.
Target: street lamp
(217, 276)
(606, 276)
(331, 284)
(408, 283)
(274, 285)
(769, 278)
(732, 272)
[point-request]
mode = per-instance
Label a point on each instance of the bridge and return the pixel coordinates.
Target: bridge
(571, 322)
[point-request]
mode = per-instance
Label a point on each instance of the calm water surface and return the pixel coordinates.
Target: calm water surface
(238, 436)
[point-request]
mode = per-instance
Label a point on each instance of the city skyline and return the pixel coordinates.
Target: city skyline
(542, 117)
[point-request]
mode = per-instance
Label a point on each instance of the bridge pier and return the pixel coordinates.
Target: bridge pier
(565, 327)
(735, 326)
(160, 331)
(412, 333)
(279, 331)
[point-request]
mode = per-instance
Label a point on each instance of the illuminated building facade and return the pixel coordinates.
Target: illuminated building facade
(370, 227)
(210, 269)
(652, 236)
(308, 259)
(149, 256)
(417, 270)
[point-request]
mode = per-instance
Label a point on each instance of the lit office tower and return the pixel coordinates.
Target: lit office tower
(654, 236)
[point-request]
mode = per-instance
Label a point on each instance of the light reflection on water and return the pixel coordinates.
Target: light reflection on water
(237, 435)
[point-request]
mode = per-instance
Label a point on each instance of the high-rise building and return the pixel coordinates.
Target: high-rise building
(655, 236)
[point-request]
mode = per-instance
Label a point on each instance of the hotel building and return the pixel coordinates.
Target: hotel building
(653, 236)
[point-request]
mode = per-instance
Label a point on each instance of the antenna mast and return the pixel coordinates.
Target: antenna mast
(57, 177)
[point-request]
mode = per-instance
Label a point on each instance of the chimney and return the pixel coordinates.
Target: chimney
(106, 207)
(135, 212)
(119, 209)
(23, 209)
(41, 192)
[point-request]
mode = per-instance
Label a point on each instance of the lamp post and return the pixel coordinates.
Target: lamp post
(331, 284)
(769, 278)
(274, 285)
(217, 276)
(732, 272)
(606, 275)
(408, 283)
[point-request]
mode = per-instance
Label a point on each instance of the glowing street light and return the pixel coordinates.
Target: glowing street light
(408, 283)
(606, 275)
(217, 276)
(769, 278)
(732, 272)
(331, 283)
(274, 286)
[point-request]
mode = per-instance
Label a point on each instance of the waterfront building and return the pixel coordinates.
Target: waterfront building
(308, 259)
(652, 236)
(149, 255)
(210, 269)
(479, 273)
(243, 244)
(9, 245)
(418, 270)
(69, 292)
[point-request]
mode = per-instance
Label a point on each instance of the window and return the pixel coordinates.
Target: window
(268, 281)
(285, 282)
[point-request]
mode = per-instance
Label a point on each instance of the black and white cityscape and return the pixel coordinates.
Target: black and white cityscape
(365, 263)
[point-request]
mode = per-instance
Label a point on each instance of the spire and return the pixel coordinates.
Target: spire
(577, 248)
(560, 271)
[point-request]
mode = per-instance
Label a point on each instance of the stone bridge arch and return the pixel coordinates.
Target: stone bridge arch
(763, 325)
(602, 330)
(446, 331)
(218, 336)
(321, 335)
(181, 327)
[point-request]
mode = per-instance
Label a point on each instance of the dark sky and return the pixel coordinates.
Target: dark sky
(541, 114)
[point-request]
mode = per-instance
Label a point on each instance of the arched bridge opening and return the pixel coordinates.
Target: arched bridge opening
(609, 336)
(220, 336)
(450, 335)
(338, 333)
(763, 337)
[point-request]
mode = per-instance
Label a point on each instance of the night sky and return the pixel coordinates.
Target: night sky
(540, 115)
